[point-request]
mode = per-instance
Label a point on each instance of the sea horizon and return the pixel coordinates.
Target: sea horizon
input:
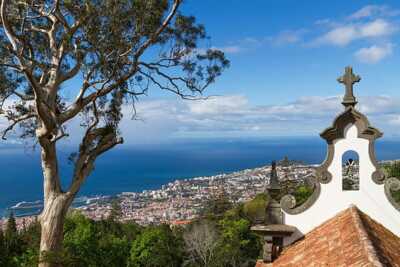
(134, 168)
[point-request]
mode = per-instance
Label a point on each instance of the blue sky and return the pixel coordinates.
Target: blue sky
(285, 58)
(282, 50)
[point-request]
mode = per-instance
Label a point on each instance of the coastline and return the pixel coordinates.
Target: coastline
(182, 199)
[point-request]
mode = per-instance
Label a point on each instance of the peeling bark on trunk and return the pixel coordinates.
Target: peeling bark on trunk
(52, 223)
(56, 204)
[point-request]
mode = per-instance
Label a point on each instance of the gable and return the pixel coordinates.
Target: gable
(350, 238)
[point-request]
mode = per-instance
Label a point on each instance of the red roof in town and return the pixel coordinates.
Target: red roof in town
(351, 238)
(181, 222)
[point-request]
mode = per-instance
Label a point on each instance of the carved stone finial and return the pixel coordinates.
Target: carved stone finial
(273, 181)
(274, 214)
(349, 79)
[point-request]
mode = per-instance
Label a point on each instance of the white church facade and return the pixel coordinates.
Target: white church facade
(350, 131)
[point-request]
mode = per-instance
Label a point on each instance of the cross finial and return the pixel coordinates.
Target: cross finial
(349, 79)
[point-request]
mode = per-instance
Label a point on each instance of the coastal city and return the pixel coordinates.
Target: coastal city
(182, 200)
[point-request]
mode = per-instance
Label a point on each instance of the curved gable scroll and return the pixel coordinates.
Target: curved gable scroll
(337, 131)
(350, 116)
(350, 130)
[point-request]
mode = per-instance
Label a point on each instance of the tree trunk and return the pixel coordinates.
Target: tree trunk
(56, 204)
(52, 223)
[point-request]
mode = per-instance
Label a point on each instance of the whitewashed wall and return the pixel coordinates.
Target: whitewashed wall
(370, 198)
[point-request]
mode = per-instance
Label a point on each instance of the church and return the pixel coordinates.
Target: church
(351, 218)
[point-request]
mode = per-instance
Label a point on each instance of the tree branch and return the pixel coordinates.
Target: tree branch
(15, 122)
(165, 23)
(7, 27)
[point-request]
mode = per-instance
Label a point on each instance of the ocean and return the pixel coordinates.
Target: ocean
(141, 167)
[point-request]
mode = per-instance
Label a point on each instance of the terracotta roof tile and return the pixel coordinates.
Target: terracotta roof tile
(351, 238)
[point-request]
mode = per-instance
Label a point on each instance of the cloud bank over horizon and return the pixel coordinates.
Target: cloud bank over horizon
(233, 116)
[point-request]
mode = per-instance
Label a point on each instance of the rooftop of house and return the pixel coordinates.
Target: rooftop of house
(351, 238)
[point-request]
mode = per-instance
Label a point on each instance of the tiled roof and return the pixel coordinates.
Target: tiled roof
(351, 238)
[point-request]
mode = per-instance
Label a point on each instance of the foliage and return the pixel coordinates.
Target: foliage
(12, 242)
(254, 209)
(302, 193)
(3, 251)
(219, 242)
(104, 243)
(393, 170)
(238, 245)
(157, 247)
(217, 206)
(18, 248)
(115, 52)
(286, 162)
(396, 196)
(201, 243)
(116, 211)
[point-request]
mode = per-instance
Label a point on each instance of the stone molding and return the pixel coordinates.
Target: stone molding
(323, 176)
(289, 205)
(392, 184)
(350, 116)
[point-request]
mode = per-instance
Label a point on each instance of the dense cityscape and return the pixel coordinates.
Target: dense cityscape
(183, 200)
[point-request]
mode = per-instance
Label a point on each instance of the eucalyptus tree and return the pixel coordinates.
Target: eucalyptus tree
(114, 51)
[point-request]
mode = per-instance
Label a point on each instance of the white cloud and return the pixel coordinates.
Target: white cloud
(376, 28)
(374, 54)
(344, 34)
(372, 11)
(340, 36)
(217, 105)
(228, 116)
(251, 43)
(287, 37)
(367, 11)
(395, 120)
(162, 120)
(232, 49)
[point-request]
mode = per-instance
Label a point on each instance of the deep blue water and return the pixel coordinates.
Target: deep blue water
(140, 167)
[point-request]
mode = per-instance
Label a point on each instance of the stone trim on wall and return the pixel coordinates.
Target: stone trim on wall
(392, 184)
(289, 205)
(323, 176)
(378, 176)
(350, 116)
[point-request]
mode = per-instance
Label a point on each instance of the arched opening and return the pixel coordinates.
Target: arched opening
(350, 171)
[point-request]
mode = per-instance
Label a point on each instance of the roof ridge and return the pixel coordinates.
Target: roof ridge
(365, 240)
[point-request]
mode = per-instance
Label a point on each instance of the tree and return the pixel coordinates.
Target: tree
(11, 241)
(201, 241)
(88, 243)
(302, 193)
(11, 235)
(285, 162)
(3, 249)
(238, 245)
(254, 210)
(218, 204)
(30, 241)
(156, 247)
(116, 51)
(393, 169)
(116, 211)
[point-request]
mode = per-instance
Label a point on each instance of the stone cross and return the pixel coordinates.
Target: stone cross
(349, 79)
